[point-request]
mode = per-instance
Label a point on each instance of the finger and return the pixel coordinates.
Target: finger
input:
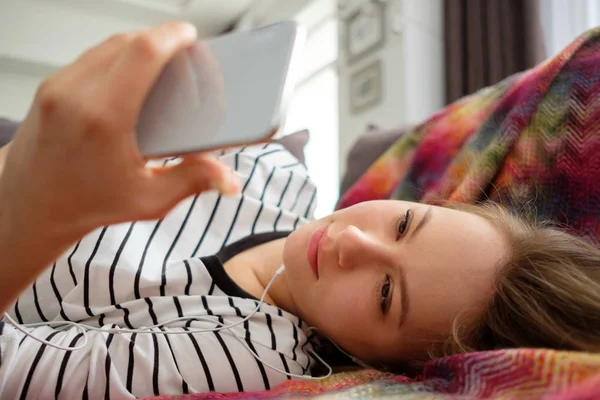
(107, 51)
(194, 175)
(138, 67)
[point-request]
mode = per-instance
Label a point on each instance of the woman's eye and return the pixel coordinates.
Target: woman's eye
(385, 294)
(403, 223)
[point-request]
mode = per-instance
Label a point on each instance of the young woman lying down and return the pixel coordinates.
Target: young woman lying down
(388, 282)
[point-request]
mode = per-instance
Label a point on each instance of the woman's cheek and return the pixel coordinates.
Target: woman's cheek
(348, 304)
(294, 254)
(343, 319)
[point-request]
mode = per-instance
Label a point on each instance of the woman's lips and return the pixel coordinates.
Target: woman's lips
(313, 250)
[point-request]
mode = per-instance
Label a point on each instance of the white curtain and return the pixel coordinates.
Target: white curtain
(564, 20)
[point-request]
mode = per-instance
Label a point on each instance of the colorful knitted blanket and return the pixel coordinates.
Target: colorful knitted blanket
(531, 142)
(500, 375)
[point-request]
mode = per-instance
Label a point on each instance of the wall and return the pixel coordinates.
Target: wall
(263, 12)
(413, 77)
(412, 70)
(314, 105)
(37, 37)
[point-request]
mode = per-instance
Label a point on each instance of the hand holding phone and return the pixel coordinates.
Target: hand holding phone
(231, 90)
(74, 161)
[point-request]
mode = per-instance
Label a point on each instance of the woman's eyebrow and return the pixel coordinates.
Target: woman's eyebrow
(422, 222)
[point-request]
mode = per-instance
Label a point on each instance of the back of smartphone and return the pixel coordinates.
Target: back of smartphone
(231, 90)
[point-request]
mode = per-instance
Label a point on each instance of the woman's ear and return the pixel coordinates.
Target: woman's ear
(355, 360)
(332, 354)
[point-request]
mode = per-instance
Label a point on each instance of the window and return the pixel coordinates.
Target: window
(314, 105)
(564, 20)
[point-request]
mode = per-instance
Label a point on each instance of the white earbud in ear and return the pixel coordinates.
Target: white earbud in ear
(350, 356)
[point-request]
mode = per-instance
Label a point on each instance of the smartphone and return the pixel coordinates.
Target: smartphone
(228, 91)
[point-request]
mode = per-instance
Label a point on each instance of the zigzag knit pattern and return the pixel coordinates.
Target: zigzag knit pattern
(531, 142)
(524, 374)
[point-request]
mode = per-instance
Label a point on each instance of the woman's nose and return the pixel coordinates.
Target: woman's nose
(357, 248)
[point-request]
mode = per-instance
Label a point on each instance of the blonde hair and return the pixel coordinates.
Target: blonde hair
(546, 293)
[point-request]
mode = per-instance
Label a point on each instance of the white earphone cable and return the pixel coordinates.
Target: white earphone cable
(188, 318)
(21, 329)
(147, 330)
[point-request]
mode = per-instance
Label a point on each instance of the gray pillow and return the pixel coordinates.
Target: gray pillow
(366, 150)
(8, 129)
(294, 142)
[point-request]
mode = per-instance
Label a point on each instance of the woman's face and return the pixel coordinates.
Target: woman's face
(384, 279)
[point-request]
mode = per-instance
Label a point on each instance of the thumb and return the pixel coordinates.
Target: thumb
(194, 175)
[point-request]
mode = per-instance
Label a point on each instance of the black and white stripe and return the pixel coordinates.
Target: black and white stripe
(138, 274)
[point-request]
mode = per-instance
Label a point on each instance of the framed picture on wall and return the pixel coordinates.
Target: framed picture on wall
(365, 30)
(366, 87)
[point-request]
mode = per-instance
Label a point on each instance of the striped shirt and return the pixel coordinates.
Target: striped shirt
(139, 274)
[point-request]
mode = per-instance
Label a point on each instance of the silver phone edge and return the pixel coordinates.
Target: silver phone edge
(292, 76)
